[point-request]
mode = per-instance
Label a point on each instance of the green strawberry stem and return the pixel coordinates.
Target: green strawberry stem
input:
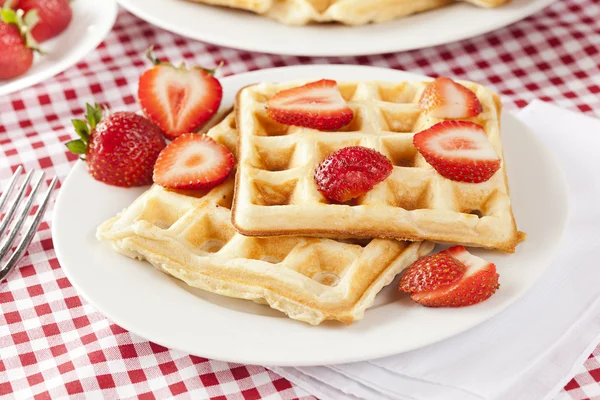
(83, 128)
(150, 56)
(156, 61)
(214, 70)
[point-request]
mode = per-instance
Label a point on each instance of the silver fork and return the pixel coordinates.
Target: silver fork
(8, 242)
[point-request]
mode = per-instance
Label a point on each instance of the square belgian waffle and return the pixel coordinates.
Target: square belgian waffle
(350, 12)
(276, 193)
(189, 235)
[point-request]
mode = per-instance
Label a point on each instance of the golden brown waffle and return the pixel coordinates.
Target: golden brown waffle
(350, 12)
(276, 193)
(190, 237)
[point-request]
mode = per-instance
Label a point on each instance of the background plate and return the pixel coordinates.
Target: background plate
(166, 311)
(92, 21)
(246, 31)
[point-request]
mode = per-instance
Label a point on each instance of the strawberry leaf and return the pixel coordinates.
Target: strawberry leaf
(77, 146)
(9, 16)
(31, 18)
(81, 129)
(93, 115)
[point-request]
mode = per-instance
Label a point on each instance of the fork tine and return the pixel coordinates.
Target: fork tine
(11, 211)
(20, 219)
(37, 218)
(10, 187)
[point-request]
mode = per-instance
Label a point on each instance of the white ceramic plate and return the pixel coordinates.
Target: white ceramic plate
(246, 31)
(164, 310)
(92, 20)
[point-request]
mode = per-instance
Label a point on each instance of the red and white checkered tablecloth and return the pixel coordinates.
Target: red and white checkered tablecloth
(55, 345)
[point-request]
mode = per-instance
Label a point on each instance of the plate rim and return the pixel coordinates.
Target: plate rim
(111, 9)
(136, 9)
(327, 359)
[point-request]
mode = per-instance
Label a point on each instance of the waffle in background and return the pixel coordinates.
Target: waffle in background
(276, 193)
(350, 12)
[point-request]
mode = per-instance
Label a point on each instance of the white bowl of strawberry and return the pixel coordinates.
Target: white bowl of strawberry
(41, 38)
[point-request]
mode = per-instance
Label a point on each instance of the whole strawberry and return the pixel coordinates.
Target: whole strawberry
(121, 149)
(55, 16)
(16, 44)
(177, 99)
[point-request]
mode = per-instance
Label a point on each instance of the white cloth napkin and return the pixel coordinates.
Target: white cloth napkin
(529, 351)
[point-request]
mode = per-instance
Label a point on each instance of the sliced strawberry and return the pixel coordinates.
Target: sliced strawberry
(444, 98)
(177, 99)
(458, 150)
(317, 105)
(193, 161)
(351, 172)
(431, 273)
(478, 283)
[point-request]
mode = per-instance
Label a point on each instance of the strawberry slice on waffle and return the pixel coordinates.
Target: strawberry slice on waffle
(316, 105)
(458, 150)
(444, 98)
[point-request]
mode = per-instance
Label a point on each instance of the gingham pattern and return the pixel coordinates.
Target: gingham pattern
(585, 385)
(53, 344)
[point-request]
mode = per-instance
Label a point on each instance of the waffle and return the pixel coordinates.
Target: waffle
(189, 236)
(350, 12)
(276, 193)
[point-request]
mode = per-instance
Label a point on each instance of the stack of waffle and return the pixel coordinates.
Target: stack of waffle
(349, 12)
(267, 234)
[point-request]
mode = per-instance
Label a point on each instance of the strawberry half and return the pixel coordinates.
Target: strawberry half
(478, 282)
(193, 161)
(444, 98)
(120, 149)
(317, 105)
(458, 150)
(351, 172)
(177, 99)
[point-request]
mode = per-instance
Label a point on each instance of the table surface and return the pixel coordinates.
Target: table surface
(54, 344)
